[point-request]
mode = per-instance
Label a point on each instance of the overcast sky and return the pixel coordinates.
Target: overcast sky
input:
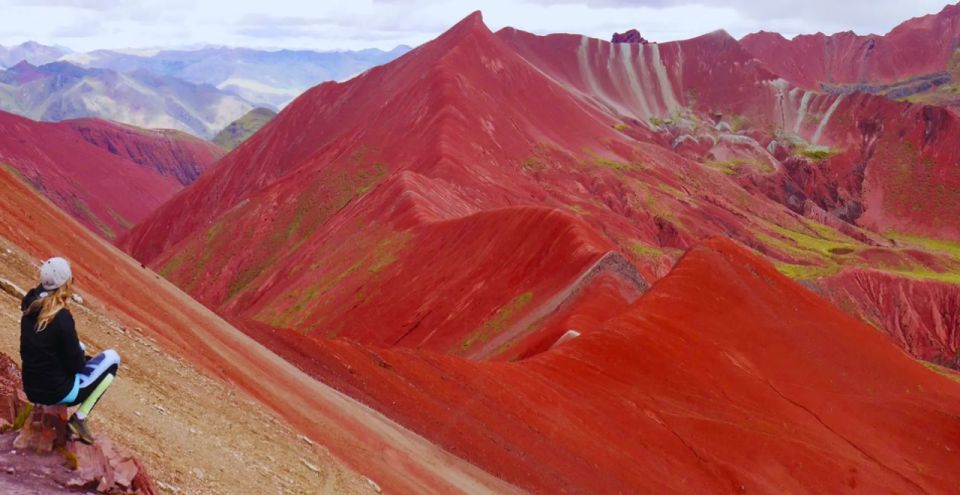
(323, 25)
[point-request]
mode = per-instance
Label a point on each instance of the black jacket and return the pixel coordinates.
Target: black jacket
(51, 358)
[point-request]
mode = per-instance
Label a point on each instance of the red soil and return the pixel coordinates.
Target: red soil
(397, 459)
(171, 153)
(342, 207)
(459, 199)
(920, 46)
(922, 316)
(362, 202)
(710, 73)
(582, 313)
(84, 168)
(911, 179)
(415, 315)
(726, 377)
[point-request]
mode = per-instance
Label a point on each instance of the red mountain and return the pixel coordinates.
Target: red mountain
(914, 57)
(724, 377)
(509, 199)
(106, 175)
(867, 143)
(169, 152)
(137, 301)
(356, 178)
(361, 201)
(924, 313)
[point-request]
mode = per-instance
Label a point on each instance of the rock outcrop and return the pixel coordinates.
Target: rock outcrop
(39, 456)
(11, 288)
(630, 36)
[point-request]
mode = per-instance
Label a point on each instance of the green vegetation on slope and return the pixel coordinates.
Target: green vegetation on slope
(498, 322)
(241, 129)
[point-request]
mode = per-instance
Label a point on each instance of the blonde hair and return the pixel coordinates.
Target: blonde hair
(47, 307)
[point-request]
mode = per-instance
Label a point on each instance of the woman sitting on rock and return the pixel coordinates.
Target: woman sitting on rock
(55, 369)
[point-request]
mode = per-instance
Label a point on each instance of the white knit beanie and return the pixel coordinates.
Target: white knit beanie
(54, 273)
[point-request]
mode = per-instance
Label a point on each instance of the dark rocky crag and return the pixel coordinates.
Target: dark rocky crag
(630, 36)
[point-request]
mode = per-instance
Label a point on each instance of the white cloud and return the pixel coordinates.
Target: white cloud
(90, 24)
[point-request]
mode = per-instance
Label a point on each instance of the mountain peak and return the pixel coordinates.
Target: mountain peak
(762, 35)
(719, 34)
(23, 65)
(629, 36)
(474, 18)
(471, 23)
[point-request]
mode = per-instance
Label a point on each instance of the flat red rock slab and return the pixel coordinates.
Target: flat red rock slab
(22, 471)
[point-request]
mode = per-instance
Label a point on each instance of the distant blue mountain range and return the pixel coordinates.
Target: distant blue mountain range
(265, 78)
(199, 91)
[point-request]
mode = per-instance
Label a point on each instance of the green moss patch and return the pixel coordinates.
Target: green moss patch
(807, 272)
(123, 222)
(498, 322)
(641, 250)
(817, 153)
(729, 167)
(362, 260)
(22, 417)
(80, 206)
(949, 248)
(926, 274)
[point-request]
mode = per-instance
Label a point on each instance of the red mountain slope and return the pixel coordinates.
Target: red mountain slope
(738, 377)
(171, 153)
(882, 165)
(362, 200)
(725, 377)
(486, 194)
(348, 182)
(895, 165)
(712, 74)
(105, 175)
(919, 47)
(401, 461)
(926, 313)
(841, 160)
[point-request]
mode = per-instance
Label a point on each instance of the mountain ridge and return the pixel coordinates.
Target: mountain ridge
(106, 175)
(59, 91)
(913, 48)
(655, 172)
(268, 78)
(566, 215)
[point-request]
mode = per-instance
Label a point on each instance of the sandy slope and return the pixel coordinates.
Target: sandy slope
(196, 434)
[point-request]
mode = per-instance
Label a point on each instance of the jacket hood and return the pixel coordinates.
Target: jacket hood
(31, 296)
